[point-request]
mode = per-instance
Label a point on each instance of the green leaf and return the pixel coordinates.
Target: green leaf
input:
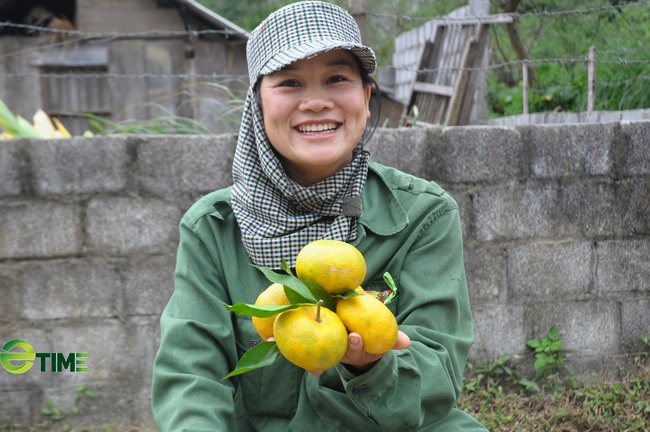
(557, 345)
(346, 295)
(321, 294)
(554, 333)
(286, 268)
(258, 311)
(261, 355)
(289, 281)
(533, 343)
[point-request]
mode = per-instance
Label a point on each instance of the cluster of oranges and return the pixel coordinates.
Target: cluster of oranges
(314, 337)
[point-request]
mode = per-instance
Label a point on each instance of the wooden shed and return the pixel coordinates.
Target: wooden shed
(122, 59)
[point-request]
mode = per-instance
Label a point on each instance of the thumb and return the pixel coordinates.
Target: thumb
(355, 344)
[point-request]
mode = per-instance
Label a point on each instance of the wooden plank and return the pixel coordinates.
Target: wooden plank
(456, 100)
(425, 87)
(128, 20)
(475, 74)
(471, 21)
(427, 72)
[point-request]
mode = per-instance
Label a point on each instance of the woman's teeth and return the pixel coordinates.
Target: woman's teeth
(317, 128)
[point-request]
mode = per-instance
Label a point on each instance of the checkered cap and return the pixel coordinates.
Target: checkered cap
(302, 30)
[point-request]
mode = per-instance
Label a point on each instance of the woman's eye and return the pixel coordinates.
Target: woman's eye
(289, 83)
(337, 79)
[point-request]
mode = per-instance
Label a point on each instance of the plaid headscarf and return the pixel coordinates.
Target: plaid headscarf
(277, 216)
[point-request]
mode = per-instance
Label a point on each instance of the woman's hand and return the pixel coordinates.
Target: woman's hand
(358, 360)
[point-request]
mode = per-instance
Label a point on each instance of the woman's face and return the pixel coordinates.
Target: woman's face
(315, 112)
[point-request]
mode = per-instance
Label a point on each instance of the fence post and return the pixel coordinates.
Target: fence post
(358, 11)
(526, 85)
(591, 78)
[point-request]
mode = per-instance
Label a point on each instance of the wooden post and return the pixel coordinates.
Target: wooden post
(358, 11)
(591, 78)
(526, 85)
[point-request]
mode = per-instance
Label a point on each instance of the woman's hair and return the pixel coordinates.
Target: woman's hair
(374, 105)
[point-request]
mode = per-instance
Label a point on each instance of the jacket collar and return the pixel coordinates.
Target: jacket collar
(382, 212)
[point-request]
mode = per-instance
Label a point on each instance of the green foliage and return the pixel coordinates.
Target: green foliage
(55, 414)
(549, 359)
(215, 106)
(557, 46)
(496, 395)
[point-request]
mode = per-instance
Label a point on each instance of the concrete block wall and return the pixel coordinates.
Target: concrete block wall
(556, 224)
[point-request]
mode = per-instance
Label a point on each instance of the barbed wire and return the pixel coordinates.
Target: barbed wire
(607, 57)
(111, 35)
(229, 32)
(539, 14)
(96, 75)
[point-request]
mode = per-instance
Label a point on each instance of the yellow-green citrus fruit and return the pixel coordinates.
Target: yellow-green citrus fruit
(272, 296)
(308, 343)
(375, 323)
(334, 265)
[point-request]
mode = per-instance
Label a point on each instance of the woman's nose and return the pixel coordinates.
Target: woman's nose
(316, 99)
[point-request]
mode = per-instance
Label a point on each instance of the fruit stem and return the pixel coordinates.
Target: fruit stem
(320, 302)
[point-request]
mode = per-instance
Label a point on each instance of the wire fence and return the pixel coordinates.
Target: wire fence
(614, 59)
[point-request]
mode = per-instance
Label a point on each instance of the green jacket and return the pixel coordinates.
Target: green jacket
(410, 228)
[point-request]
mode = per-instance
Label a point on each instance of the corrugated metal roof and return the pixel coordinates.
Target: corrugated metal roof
(213, 19)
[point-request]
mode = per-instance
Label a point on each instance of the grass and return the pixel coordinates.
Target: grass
(557, 402)
(500, 397)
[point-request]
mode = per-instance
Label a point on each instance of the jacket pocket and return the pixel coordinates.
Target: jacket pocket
(271, 391)
(384, 293)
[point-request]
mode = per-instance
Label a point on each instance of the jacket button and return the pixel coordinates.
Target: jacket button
(360, 390)
(252, 343)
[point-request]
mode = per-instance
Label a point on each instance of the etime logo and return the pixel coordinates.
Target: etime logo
(18, 356)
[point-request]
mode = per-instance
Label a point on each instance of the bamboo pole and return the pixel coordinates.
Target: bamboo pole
(526, 85)
(591, 78)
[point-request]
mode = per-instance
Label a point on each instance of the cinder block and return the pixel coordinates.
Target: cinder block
(405, 149)
(39, 229)
(538, 271)
(19, 407)
(126, 225)
(605, 208)
(485, 267)
(12, 293)
(79, 165)
(516, 212)
(40, 342)
(635, 314)
(571, 150)
(70, 289)
(116, 348)
(586, 327)
(173, 164)
(624, 265)
(498, 331)
(633, 152)
(476, 153)
(10, 166)
(148, 284)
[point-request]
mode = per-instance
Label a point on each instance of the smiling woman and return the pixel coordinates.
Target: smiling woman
(315, 112)
(301, 174)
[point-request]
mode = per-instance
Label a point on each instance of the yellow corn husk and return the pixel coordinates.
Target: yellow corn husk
(15, 126)
(62, 129)
(43, 124)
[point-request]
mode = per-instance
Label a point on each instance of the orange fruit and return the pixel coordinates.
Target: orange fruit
(334, 265)
(368, 316)
(311, 337)
(272, 296)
